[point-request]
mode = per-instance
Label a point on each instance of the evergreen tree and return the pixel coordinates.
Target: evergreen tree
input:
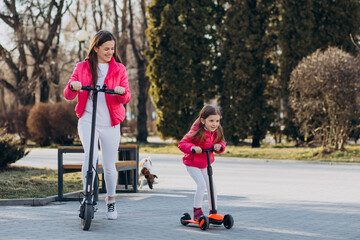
(247, 69)
(180, 58)
(306, 26)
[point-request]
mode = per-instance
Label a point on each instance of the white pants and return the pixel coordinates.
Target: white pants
(201, 179)
(109, 144)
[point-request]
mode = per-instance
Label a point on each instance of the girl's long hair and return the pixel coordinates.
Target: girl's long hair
(199, 136)
(100, 37)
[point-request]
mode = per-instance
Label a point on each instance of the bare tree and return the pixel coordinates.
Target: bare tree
(122, 36)
(35, 26)
(138, 51)
(97, 13)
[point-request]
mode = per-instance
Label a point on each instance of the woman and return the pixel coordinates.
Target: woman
(102, 66)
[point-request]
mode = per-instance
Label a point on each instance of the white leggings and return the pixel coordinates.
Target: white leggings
(201, 179)
(109, 143)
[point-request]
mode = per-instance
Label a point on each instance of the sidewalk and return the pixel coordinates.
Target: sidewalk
(268, 200)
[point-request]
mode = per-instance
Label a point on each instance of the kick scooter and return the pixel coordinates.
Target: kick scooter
(214, 217)
(87, 207)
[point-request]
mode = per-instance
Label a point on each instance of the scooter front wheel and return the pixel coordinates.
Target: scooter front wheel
(228, 221)
(204, 223)
(88, 215)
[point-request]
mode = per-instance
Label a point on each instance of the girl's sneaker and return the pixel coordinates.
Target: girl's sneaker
(111, 212)
(198, 213)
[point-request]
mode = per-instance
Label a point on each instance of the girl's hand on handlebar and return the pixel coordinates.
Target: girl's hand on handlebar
(217, 147)
(119, 90)
(75, 86)
(197, 149)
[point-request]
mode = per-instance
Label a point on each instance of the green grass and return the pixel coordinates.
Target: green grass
(26, 182)
(279, 151)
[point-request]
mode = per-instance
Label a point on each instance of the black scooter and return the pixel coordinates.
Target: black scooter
(214, 217)
(87, 207)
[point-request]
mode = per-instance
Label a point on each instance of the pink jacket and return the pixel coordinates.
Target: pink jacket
(116, 76)
(198, 159)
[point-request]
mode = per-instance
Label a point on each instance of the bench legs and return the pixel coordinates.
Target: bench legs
(124, 152)
(122, 175)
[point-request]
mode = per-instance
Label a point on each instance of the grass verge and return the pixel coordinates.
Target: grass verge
(26, 182)
(279, 151)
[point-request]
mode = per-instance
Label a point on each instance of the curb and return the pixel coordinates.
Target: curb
(34, 201)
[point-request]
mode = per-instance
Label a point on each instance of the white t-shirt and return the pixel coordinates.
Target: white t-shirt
(102, 111)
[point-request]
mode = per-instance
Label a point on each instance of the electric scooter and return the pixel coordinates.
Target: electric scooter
(214, 217)
(87, 207)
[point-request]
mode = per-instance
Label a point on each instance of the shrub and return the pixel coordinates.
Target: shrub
(14, 122)
(49, 123)
(10, 151)
(63, 122)
(39, 125)
(323, 94)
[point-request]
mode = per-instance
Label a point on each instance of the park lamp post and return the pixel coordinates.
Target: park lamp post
(81, 36)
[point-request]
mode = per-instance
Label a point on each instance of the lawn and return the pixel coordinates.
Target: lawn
(27, 182)
(279, 151)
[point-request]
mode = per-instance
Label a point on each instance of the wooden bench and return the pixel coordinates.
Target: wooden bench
(127, 167)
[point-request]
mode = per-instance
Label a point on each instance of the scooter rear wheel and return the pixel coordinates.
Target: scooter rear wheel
(184, 218)
(228, 221)
(204, 223)
(88, 215)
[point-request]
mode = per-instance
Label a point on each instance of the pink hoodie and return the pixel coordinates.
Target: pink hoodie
(116, 76)
(198, 159)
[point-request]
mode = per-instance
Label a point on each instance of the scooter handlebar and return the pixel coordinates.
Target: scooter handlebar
(97, 88)
(206, 150)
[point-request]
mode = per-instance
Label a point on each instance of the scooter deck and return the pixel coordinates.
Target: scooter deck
(196, 222)
(217, 217)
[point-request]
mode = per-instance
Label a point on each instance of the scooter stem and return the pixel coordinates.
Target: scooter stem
(210, 173)
(89, 174)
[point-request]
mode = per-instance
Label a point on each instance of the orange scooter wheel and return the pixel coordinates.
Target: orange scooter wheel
(204, 223)
(183, 219)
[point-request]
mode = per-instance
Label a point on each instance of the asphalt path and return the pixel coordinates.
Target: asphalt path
(268, 199)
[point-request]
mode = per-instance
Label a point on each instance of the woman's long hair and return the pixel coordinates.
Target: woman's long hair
(100, 37)
(199, 136)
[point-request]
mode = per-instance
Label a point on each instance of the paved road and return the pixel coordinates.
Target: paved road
(268, 200)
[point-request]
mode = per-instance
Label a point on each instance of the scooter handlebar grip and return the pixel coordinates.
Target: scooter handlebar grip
(111, 91)
(86, 88)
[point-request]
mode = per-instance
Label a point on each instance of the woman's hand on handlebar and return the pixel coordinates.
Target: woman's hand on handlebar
(217, 147)
(119, 90)
(75, 86)
(196, 149)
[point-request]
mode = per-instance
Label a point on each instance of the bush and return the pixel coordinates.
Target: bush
(14, 122)
(52, 123)
(38, 124)
(63, 122)
(323, 94)
(10, 151)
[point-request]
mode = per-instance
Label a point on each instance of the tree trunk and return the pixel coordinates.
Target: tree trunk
(143, 82)
(256, 138)
(44, 90)
(2, 100)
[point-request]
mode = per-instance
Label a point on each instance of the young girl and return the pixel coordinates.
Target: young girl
(102, 66)
(206, 132)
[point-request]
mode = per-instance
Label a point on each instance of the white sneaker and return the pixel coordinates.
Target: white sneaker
(111, 212)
